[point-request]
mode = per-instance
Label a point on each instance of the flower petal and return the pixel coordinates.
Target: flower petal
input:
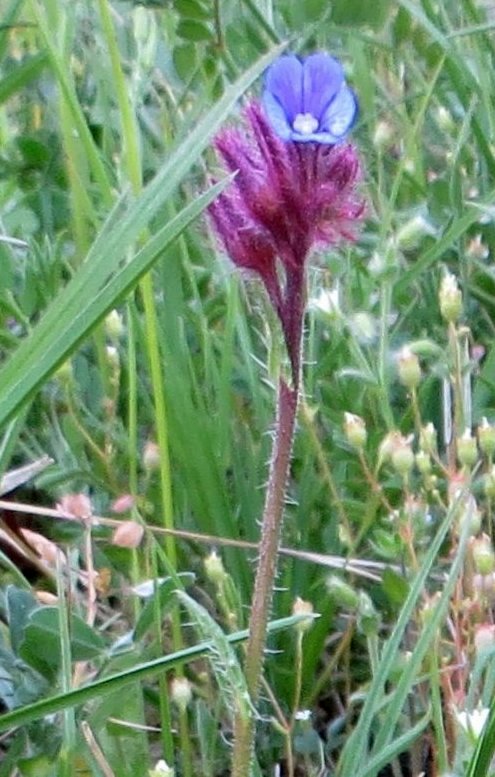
(340, 114)
(322, 78)
(284, 82)
(277, 116)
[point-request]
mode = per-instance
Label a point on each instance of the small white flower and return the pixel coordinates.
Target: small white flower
(327, 301)
(473, 722)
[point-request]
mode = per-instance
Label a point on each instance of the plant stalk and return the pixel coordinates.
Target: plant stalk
(244, 726)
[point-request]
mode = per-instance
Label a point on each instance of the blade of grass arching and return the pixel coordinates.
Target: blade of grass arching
(145, 671)
(111, 245)
(481, 761)
(22, 375)
(427, 636)
(355, 749)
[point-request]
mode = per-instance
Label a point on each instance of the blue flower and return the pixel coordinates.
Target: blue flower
(308, 100)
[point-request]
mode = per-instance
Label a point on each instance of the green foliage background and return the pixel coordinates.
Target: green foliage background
(107, 111)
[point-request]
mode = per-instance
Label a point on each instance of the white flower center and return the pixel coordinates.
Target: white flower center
(305, 124)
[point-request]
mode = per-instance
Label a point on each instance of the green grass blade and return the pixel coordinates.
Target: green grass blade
(147, 670)
(39, 356)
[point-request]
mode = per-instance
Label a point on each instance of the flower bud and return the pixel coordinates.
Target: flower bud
(355, 430)
(476, 249)
(384, 135)
(484, 586)
(428, 438)
(65, 374)
(484, 637)
(423, 462)
(114, 326)
(428, 607)
(483, 555)
(181, 692)
(302, 607)
(151, 456)
(77, 505)
(161, 769)
(368, 619)
(113, 358)
(402, 457)
(486, 437)
(343, 594)
(123, 504)
(450, 298)
(467, 450)
(408, 368)
(128, 535)
(470, 514)
(445, 120)
(214, 568)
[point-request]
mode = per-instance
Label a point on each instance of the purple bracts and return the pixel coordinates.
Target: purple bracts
(287, 198)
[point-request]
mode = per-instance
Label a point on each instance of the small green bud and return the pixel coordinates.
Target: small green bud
(151, 456)
(65, 374)
(402, 456)
(214, 568)
(384, 135)
(428, 608)
(343, 594)
(368, 619)
(302, 607)
(423, 462)
(450, 298)
(408, 368)
(483, 555)
(467, 450)
(355, 430)
(113, 358)
(181, 692)
(445, 120)
(471, 514)
(114, 326)
(428, 438)
(486, 437)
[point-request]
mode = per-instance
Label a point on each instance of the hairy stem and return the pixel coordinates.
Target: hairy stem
(266, 571)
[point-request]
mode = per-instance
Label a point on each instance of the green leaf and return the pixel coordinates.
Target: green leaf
(20, 604)
(193, 30)
(42, 636)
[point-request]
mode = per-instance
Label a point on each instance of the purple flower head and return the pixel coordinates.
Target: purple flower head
(288, 197)
(308, 100)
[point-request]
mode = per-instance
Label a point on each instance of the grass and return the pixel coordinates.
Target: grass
(107, 112)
